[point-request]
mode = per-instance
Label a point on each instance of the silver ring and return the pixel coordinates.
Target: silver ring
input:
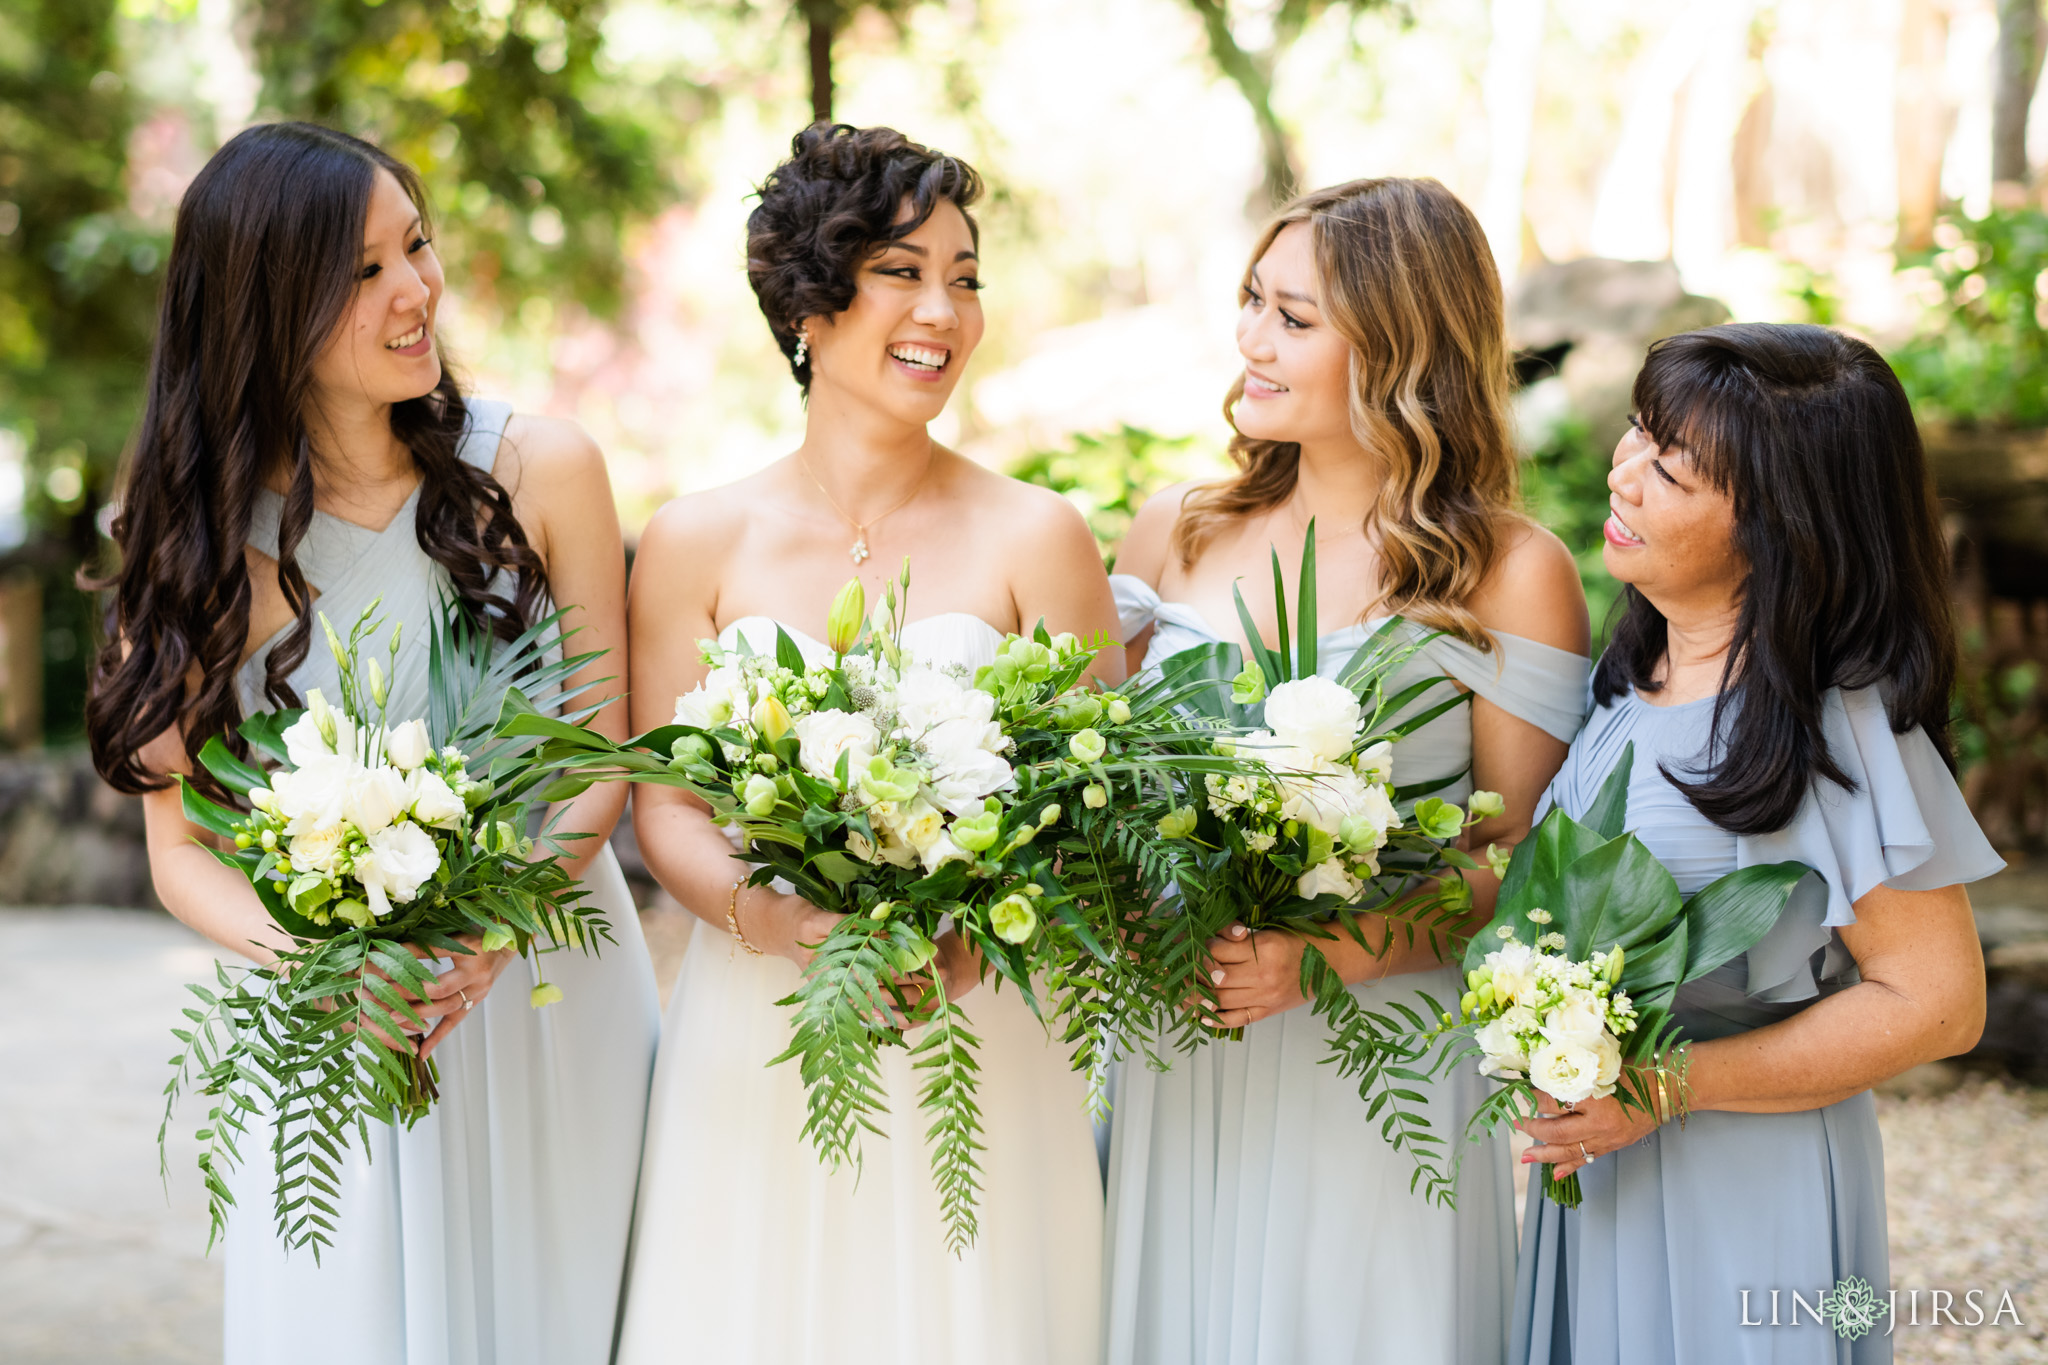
(1585, 1155)
(1570, 1106)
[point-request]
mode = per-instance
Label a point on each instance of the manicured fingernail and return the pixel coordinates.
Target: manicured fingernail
(1237, 931)
(1216, 977)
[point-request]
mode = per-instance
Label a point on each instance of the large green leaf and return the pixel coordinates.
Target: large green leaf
(1305, 614)
(1618, 893)
(1651, 972)
(265, 731)
(1608, 815)
(1268, 661)
(1534, 881)
(1725, 918)
(204, 813)
(520, 718)
(1200, 678)
(232, 773)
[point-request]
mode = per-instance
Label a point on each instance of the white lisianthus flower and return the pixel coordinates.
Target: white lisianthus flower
(304, 743)
(858, 846)
(822, 736)
(1515, 972)
(1503, 1057)
(313, 794)
(400, 858)
(314, 850)
(941, 851)
(1329, 875)
(964, 780)
(917, 823)
(1580, 1019)
(1316, 714)
(711, 703)
(1326, 798)
(1609, 1051)
(1376, 762)
(1567, 1071)
(432, 800)
(408, 746)
(375, 797)
(926, 698)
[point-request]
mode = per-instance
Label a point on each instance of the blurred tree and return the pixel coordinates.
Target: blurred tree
(1109, 477)
(535, 158)
(823, 21)
(2020, 39)
(78, 276)
(1249, 64)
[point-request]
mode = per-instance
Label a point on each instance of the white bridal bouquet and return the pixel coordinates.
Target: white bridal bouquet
(377, 846)
(918, 799)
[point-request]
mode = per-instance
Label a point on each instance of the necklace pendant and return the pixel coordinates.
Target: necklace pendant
(859, 553)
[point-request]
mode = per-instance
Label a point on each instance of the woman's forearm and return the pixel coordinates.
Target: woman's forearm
(216, 901)
(1836, 1048)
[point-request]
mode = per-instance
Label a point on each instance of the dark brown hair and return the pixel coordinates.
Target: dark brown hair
(262, 272)
(830, 207)
(1404, 273)
(1812, 438)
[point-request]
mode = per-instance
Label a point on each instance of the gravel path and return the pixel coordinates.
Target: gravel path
(100, 1266)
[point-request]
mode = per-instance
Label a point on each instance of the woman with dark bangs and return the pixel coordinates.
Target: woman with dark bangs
(747, 1249)
(1256, 1214)
(305, 450)
(1784, 670)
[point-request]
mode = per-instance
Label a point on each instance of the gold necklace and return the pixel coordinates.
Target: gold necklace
(858, 551)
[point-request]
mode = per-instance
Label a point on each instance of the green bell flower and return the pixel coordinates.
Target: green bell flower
(759, 796)
(1013, 919)
(977, 833)
(1088, 746)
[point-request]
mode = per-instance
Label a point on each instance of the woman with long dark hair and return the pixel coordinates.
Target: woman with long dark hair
(304, 449)
(1256, 1217)
(1784, 670)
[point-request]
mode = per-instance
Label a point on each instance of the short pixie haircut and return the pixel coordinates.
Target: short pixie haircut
(833, 205)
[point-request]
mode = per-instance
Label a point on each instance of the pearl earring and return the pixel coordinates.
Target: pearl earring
(803, 349)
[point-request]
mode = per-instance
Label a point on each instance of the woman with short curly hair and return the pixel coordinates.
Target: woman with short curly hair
(865, 261)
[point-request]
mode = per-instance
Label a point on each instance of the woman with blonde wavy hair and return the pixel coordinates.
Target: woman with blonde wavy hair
(1255, 1212)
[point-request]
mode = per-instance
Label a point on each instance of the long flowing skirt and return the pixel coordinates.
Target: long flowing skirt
(749, 1251)
(1257, 1217)
(493, 1231)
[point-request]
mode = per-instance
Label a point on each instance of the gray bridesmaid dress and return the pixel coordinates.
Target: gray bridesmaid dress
(1652, 1268)
(1256, 1216)
(493, 1231)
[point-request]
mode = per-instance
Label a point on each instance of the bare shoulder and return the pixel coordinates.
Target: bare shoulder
(1534, 591)
(1145, 546)
(548, 454)
(694, 530)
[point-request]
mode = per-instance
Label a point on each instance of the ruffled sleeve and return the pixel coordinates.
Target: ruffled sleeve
(1528, 679)
(1137, 602)
(1904, 824)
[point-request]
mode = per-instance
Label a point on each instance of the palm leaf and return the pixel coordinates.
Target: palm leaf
(1305, 615)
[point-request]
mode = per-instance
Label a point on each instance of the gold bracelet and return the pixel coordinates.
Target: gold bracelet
(732, 920)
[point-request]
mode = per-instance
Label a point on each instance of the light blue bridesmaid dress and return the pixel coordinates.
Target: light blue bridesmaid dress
(492, 1232)
(1256, 1216)
(1652, 1268)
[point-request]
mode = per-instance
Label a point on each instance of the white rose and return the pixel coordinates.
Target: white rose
(314, 850)
(1609, 1052)
(1376, 763)
(400, 857)
(968, 778)
(432, 800)
(1328, 876)
(408, 746)
(1276, 753)
(1566, 1071)
(941, 851)
(1580, 1019)
(711, 703)
(822, 736)
(304, 743)
(1316, 714)
(375, 797)
(313, 795)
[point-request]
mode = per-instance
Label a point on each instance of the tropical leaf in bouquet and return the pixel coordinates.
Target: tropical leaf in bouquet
(470, 671)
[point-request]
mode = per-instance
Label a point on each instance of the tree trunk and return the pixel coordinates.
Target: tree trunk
(821, 18)
(1254, 80)
(1924, 119)
(2019, 69)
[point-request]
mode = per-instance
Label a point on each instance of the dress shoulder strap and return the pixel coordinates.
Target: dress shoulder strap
(486, 429)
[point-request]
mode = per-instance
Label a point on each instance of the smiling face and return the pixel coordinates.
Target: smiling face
(903, 342)
(1297, 368)
(1669, 531)
(383, 351)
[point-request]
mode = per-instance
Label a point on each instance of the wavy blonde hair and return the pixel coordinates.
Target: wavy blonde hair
(1406, 276)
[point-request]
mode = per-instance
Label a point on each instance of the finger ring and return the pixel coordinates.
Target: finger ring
(467, 1003)
(1570, 1106)
(1586, 1155)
